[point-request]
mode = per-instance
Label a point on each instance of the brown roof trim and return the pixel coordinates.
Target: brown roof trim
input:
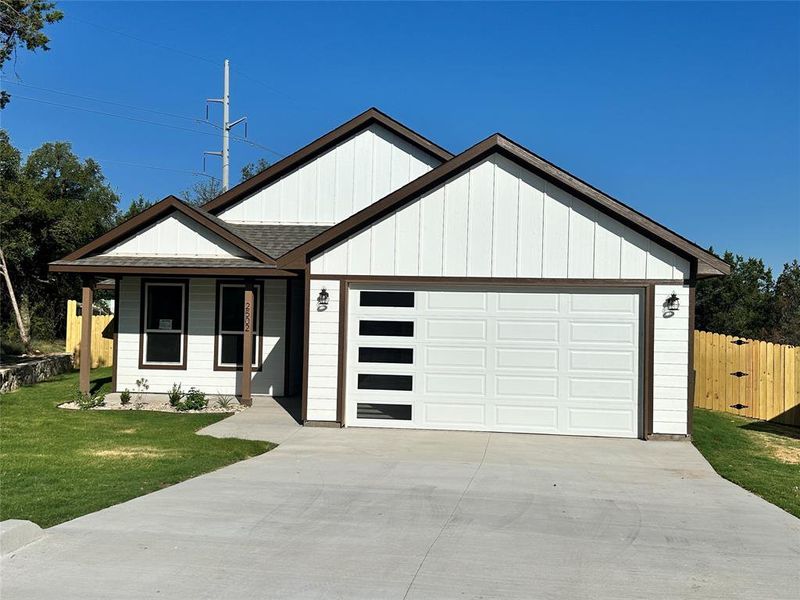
(320, 145)
(158, 210)
(710, 264)
(104, 270)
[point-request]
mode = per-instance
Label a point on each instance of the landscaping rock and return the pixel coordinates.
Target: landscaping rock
(16, 533)
(33, 371)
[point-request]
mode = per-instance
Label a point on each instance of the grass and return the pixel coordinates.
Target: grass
(759, 456)
(58, 464)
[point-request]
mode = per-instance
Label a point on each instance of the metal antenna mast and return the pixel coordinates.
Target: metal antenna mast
(226, 126)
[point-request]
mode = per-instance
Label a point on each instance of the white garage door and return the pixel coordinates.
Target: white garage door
(536, 360)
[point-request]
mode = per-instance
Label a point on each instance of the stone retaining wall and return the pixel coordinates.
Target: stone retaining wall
(34, 371)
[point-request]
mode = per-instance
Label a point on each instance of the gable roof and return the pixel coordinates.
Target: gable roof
(318, 147)
(707, 263)
(160, 210)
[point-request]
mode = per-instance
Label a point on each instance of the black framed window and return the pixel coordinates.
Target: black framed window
(230, 325)
(397, 412)
(394, 299)
(164, 323)
(403, 356)
(386, 328)
(400, 383)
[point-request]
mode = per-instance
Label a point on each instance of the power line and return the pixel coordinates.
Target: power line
(157, 168)
(111, 102)
(138, 120)
(195, 56)
(145, 41)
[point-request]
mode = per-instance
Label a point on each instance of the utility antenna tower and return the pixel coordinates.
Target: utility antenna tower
(226, 126)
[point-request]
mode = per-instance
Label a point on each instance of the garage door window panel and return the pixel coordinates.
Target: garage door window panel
(401, 356)
(386, 328)
(385, 382)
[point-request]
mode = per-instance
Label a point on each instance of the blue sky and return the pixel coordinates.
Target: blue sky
(690, 113)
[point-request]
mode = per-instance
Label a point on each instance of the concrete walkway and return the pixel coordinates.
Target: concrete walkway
(268, 419)
(390, 514)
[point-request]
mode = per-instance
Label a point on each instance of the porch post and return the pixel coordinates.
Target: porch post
(247, 344)
(86, 333)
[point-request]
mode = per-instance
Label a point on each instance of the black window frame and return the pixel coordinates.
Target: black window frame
(144, 330)
(258, 326)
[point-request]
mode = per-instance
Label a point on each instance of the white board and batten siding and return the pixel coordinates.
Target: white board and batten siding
(199, 370)
(176, 235)
(323, 352)
(338, 183)
(499, 220)
(671, 362)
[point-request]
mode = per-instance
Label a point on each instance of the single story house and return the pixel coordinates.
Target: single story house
(386, 282)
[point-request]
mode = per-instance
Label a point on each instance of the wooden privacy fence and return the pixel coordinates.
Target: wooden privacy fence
(102, 337)
(751, 378)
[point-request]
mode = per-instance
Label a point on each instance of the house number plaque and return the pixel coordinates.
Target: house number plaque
(248, 316)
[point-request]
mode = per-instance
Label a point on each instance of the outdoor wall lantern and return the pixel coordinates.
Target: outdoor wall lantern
(673, 303)
(322, 299)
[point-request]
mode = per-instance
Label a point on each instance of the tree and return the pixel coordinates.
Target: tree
(254, 168)
(202, 191)
(50, 205)
(787, 305)
(740, 304)
(138, 205)
(22, 23)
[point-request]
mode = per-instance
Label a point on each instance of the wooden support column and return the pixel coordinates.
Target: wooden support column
(86, 334)
(247, 344)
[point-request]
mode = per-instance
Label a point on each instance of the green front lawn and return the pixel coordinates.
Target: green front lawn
(58, 464)
(759, 456)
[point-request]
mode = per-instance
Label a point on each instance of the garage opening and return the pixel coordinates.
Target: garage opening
(523, 359)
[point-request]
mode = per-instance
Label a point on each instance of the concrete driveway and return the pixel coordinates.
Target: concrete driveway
(385, 514)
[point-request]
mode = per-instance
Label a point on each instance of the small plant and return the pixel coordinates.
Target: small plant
(142, 385)
(89, 401)
(194, 400)
(224, 401)
(125, 397)
(175, 394)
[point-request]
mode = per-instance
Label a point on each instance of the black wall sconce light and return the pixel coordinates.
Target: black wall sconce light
(322, 299)
(673, 303)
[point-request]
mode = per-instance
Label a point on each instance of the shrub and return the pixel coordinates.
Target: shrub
(89, 401)
(194, 400)
(125, 396)
(224, 401)
(175, 394)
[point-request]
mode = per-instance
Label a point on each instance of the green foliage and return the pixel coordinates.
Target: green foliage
(175, 394)
(750, 303)
(50, 204)
(125, 397)
(254, 168)
(194, 400)
(756, 455)
(22, 23)
(88, 401)
(138, 205)
(58, 464)
(202, 191)
(224, 401)
(787, 305)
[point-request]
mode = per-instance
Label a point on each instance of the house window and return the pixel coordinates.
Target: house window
(165, 309)
(230, 326)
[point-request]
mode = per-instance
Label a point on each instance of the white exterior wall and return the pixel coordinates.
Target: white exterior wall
(338, 183)
(199, 370)
(500, 220)
(176, 235)
(671, 362)
(323, 352)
